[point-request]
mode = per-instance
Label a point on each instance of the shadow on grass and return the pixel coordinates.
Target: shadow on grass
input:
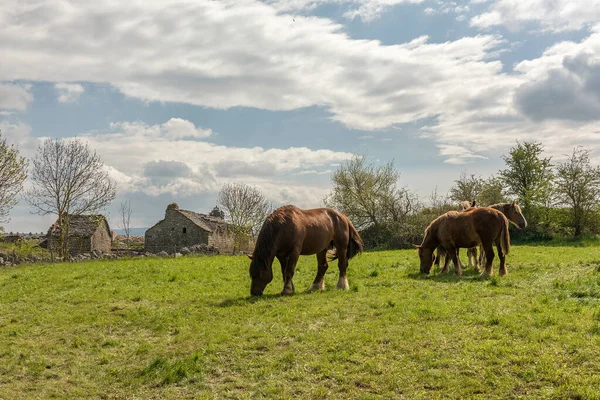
(469, 275)
(265, 297)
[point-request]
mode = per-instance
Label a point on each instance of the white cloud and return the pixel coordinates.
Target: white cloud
(68, 92)
(449, 7)
(14, 97)
(19, 134)
(224, 54)
(229, 53)
(554, 16)
(144, 158)
(177, 128)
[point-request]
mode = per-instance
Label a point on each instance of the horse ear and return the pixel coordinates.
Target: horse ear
(515, 203)
(473, 203)
(250, 256)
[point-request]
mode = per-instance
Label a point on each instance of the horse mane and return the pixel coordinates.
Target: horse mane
(269, 232)
(433, 225)
(500, 206)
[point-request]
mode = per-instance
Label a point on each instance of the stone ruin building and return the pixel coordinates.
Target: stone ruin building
(86, 233)
(183, 228)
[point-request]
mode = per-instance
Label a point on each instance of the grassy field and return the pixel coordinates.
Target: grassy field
(186, 328)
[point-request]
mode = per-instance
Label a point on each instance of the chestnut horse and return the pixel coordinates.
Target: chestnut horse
(454, 230)
(289, 232)
(513, 213)
(471, 253)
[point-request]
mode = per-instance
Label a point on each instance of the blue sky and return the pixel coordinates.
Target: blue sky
(180, 99)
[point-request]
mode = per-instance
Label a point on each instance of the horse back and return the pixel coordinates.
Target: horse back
(310, 231)
(470, 227)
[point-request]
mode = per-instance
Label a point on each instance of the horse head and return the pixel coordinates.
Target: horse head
(426, 257)
(514, 214)
(261, 275)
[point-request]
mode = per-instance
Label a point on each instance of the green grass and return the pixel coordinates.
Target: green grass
(23, 249)
(186, 328)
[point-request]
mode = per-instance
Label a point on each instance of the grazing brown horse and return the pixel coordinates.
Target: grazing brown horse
(454, 230)
(471, 253)
(513, 213)
(289, 232)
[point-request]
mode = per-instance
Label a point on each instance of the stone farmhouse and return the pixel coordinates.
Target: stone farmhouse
(183, 228)
(86, 234)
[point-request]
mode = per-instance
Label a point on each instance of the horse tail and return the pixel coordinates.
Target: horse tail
(355, 243)
(505, 237)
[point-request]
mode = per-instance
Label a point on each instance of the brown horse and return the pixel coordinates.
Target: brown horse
(471, 253)
(513, 213)
(289, 232)
(454, 230)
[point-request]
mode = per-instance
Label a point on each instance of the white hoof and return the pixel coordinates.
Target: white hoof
(343, 284)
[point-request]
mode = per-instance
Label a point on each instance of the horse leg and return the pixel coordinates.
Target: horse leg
(288, 283)
(446, 264)
(442, 255)
(502, 258)
(472, 252)
(283, 262)
(453, 252)
(469, 258)
(462, 266)
(481, 257)
(342, 266)
(489, 257)
(319, 282)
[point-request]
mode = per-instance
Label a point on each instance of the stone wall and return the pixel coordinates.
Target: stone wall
(101, 239)
(173, 233)
(76, 244)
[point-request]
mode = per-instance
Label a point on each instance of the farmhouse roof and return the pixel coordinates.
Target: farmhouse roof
(205, 222)
(83, 225)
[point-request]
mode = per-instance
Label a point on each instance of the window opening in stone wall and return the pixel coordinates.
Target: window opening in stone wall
(184, 230)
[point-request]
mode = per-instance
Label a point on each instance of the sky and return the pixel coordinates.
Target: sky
(181, 97)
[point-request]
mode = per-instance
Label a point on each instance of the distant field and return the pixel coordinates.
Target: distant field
(186, 328)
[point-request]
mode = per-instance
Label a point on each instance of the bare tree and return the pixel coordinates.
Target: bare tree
(13, 172)
(245, 207)
(578, 186)
(68, 179)
(125, 220)
(439, 204)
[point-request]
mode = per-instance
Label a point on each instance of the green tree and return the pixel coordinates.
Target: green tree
(13, 172)
(578, 187)
(528, 176)
(217, 212)
(466, 188)
(492, 192)
(368, 194)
